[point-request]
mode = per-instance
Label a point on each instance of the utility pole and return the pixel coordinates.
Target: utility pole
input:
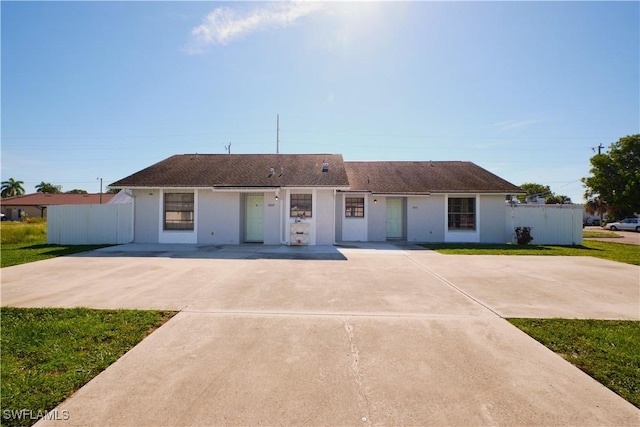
(599, 147)
(100, 189)
(278, 134)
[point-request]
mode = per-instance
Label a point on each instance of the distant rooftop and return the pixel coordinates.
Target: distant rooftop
(44, 199)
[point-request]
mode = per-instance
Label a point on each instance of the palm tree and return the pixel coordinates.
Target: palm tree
(47, 187)
(596, 206)
(11, 187)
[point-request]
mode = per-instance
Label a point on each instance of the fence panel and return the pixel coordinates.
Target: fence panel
(550, 224)
(90, 224)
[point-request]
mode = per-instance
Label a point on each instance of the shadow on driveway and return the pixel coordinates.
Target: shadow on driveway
(241, 252)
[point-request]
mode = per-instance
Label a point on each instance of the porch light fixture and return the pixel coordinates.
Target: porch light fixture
(375, 201)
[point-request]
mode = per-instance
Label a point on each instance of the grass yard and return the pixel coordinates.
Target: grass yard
(600, 234)
(607, 350)
(49, 353)
(24, 242)
(629, 254)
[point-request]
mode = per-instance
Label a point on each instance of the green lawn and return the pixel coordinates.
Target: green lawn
(24, 242)
(606, 350)
(629, 254)
(600, 234)
(48, 353)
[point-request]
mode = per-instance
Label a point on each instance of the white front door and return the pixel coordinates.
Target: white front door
(255, 219)
(394, 218)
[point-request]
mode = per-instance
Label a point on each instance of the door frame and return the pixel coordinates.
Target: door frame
(401, 202)
(247, 200)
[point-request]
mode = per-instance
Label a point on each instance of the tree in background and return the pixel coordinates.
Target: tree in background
(47, 187)
(113, 190)
(544, 191)
(76, 191)
(533, 189)
(596, 207)
(557, 199)
(11, 187)
(615, 178)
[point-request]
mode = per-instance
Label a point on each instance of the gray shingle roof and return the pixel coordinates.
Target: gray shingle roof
(241, 170)
(425, 177)
(305, 170)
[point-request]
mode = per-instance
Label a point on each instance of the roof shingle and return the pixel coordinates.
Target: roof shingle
(241, 170)
(305, 170)
(425, 177)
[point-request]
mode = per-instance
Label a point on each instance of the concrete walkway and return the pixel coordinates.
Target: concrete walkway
(372, 335)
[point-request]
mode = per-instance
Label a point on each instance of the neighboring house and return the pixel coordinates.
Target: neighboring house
(314, 199)
(35, 205)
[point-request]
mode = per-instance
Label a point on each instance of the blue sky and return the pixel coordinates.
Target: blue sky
(524, 89)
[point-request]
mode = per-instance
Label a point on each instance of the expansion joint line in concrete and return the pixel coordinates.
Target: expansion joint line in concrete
(341, 314)
(448, 283)
(355, 367)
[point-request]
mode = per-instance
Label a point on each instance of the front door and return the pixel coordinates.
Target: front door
(394, 218)
(255, 219)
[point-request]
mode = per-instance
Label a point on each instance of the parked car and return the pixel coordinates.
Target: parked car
(632, 224)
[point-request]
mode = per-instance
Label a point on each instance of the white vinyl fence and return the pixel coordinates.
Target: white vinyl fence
(90, 224)
(550, 224)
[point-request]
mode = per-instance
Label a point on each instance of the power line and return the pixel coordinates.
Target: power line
(128, 136)
(599, 147)
(312, 132)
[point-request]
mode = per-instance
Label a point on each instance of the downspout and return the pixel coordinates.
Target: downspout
(334, 217)
(130, 193)
(133, 216)
(282, 239)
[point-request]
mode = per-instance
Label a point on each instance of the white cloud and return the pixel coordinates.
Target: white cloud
(224, 24)
(513, 124)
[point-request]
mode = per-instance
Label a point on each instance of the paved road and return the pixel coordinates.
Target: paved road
(375, 335)
(626, 237)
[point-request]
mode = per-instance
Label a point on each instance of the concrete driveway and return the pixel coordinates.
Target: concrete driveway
(326, 336)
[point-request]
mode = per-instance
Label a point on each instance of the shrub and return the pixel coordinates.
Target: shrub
(523, 234)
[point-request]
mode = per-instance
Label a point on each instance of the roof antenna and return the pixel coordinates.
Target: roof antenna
(277, 133)
(227, 148)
